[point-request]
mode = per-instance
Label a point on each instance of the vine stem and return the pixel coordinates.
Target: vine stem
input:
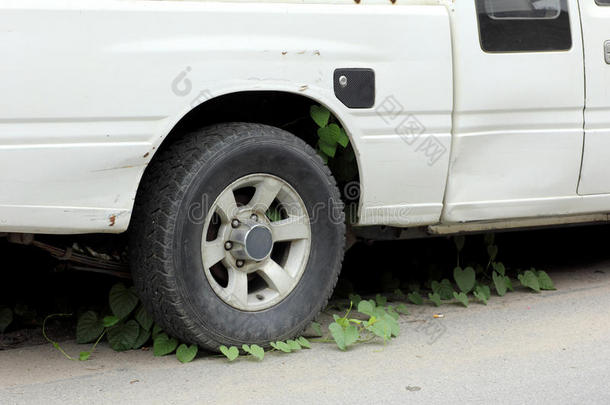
(54, 343)
(98, 340)
(322, 340)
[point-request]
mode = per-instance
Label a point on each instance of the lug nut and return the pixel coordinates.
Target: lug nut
(235, 223)
(254, 217)
(228, 246)
(240, 263)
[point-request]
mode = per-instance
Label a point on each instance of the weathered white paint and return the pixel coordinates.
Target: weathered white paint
(518, 127)
(86, 96)
(595, 177)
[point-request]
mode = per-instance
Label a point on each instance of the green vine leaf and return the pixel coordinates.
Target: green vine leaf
(122, 300)
(344, 337)
(327, 148)
(444, 289)
(392, 312)
(156, 331)
(320, 115)
(230, 353)
(402, 309)
(257, 351)
(144, 319)
(273, 214)
(380, 329)
(485, 290)
(143, 337)
(459, 242)
(482, 293)
(122, 336)
(88, 328)
(480, 297)
(529, 280)
(366, 307)
(304, 342)
(499, 267)
(509, 284)
(465, 279)
(380, 300)
(84, 356)
(355, 299)
(293, 344)
(435, 298)
(415, 298)
(394, 326)
(341, 321)
(186, 354)
(164, 345)
(544, 280)
(6, 318)
(500, 283)
(384, 327)
(282, 346)
(110, 320)
(343, 139)
(492, 251)
(330, 134)
(462, 298)
(316, 328)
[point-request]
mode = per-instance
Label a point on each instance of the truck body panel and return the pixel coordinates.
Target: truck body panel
(91, 89)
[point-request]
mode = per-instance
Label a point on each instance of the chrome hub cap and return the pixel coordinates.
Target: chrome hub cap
(256, 242)
(251, 241)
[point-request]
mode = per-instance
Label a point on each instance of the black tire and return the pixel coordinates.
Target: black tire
(165, 244)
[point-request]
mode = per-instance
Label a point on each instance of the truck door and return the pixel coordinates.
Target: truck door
(595, 175)
(518, 109)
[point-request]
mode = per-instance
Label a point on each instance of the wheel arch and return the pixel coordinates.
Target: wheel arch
(277, 108)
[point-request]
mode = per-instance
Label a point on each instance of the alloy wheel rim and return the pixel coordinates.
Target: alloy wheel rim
(256, 242)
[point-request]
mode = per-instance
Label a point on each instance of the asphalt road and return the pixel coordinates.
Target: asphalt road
(522, 348)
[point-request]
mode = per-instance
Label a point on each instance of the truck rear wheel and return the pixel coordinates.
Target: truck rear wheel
(237, 236)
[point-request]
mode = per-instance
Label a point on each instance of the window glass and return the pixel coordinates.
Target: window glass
(523, 9)
(524, 25)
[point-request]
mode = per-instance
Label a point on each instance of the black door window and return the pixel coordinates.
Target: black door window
(524, 25)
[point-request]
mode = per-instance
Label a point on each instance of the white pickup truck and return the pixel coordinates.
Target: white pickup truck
(181, 121)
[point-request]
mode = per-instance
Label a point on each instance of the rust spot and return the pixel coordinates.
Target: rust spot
(112, 220)
(303, 87)
(393, 1)
(146, 155)
(284, 53)
(358, 1)
(316, 52)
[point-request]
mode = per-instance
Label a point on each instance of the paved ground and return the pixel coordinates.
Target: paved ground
(523, 348)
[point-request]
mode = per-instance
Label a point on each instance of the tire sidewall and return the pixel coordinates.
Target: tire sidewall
(307, 175)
